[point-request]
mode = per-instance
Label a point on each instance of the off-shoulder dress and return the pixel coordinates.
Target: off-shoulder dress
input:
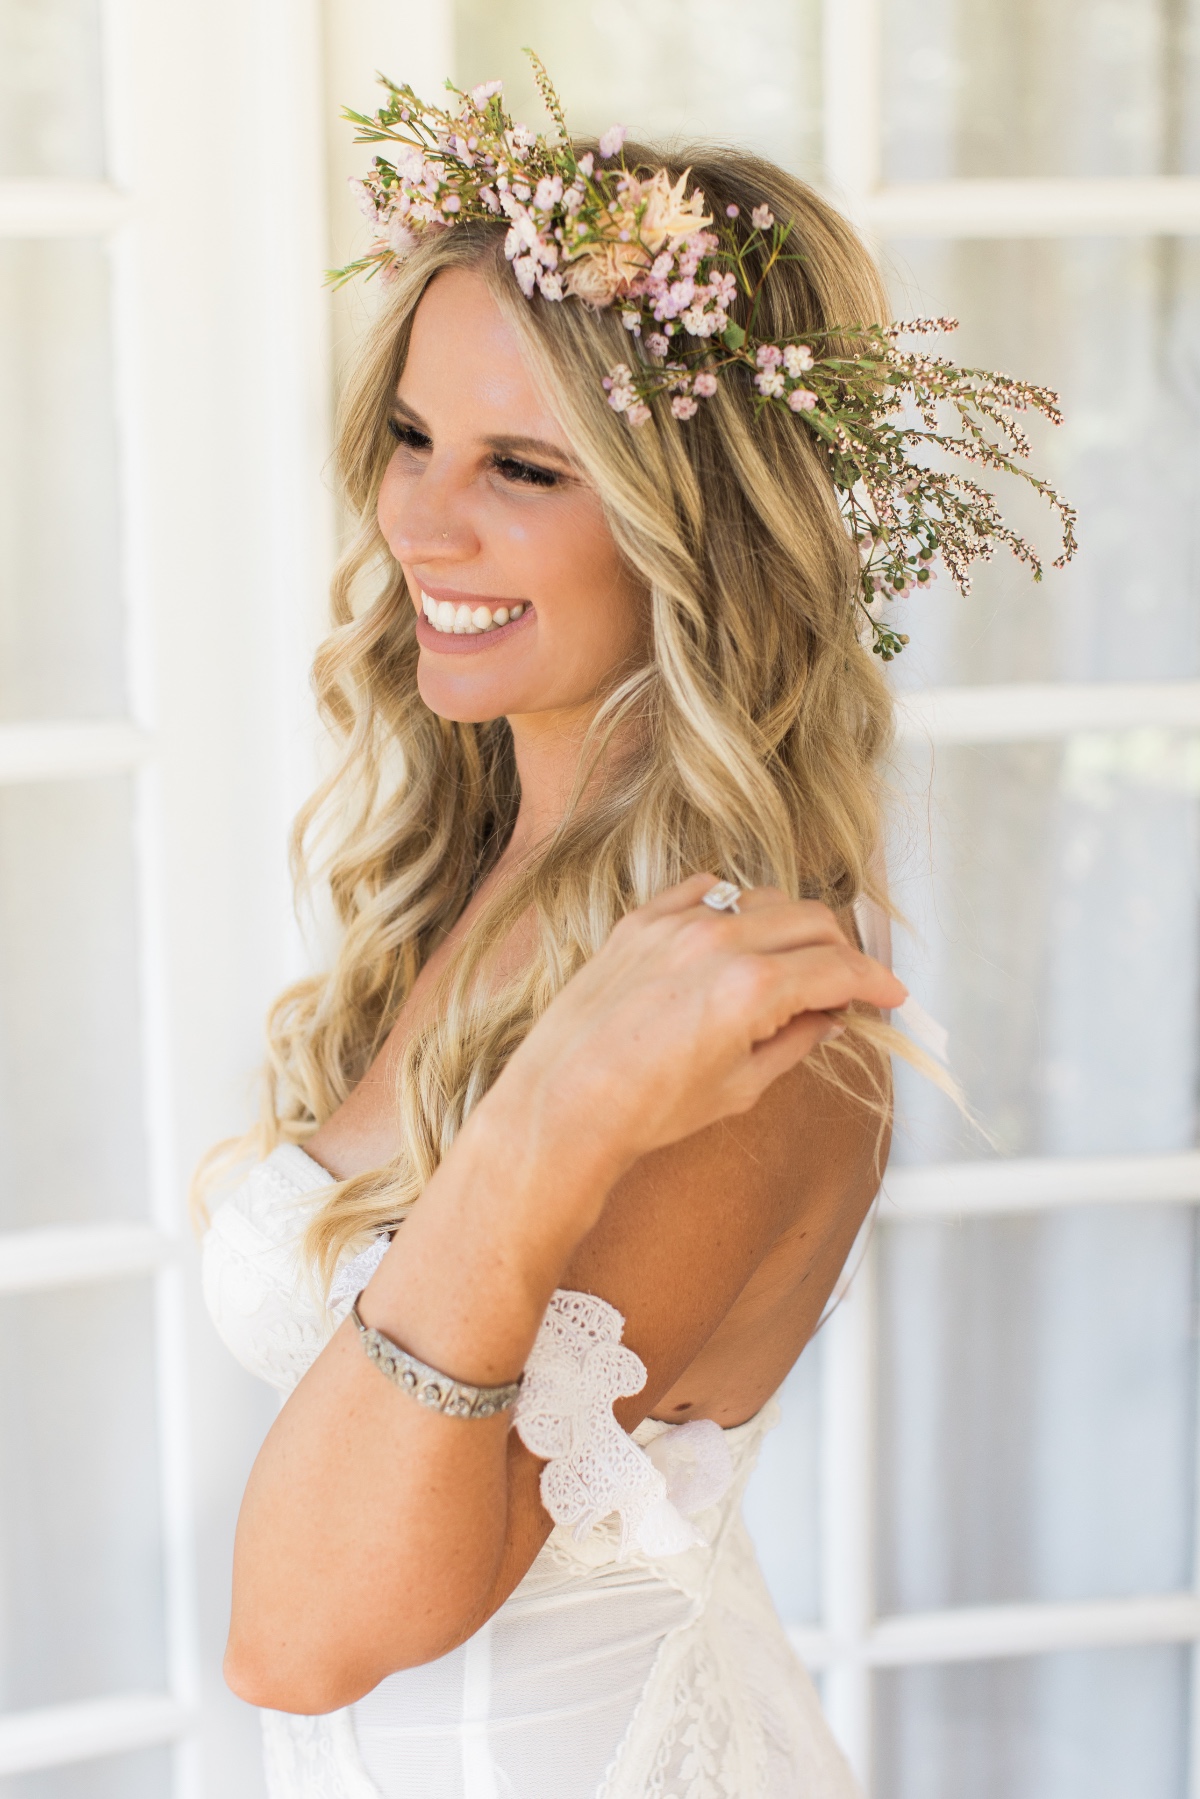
(641, 1655)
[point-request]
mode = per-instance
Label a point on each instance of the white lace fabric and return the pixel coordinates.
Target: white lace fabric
(640, 1655)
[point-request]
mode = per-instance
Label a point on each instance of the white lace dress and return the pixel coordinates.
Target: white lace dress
(640, 1655)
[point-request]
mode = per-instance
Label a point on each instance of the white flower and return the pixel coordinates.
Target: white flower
(762, 218)
(802, 399)
(657, 344)
(770, 384)
(612, 140)
(525, 270)
(400, 240)
(482, 94)
(638, 414)
(551, 286)
(364, 197)
(797, 359)
(683, 406)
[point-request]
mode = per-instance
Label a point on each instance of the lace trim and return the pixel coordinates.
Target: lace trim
(576, 1371)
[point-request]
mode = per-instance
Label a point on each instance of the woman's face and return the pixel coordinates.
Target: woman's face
(524, 605)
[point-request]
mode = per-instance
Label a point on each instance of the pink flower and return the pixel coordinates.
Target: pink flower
(762, 218)
(801, 399)
(482, 94)
(657, 344)
(732, 212)
(638, 414)
(769, 384)
(587, 164)
(768, 356)
(612, 140)
(683, 406)
(797, 359)
(705, 385)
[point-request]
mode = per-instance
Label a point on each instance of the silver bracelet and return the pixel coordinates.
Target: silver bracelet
(428, 1386)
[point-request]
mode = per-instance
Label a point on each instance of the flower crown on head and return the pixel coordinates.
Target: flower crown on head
(585, 226)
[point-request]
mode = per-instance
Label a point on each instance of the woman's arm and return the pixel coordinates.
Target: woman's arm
(376, 1534)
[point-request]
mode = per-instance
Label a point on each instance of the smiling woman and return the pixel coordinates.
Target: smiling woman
(599, 1035)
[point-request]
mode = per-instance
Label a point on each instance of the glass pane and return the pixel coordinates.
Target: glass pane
(672, 70)
(1102, 1724)
(1114, 325)
(1040, 87)
(70, 1054)
(144, 1775)
(80, 1532)
(1036, 1406)
(50, 89)
(782, 1503)
(1051, 890)
(61, 637)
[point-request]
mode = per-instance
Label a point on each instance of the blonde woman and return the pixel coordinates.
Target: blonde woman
(591, 1100)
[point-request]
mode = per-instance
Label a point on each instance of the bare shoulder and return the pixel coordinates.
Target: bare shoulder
(722, 1250)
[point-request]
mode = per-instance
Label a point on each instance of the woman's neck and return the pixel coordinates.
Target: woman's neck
(547, 747)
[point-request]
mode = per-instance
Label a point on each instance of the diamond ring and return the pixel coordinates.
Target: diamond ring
(723, 897)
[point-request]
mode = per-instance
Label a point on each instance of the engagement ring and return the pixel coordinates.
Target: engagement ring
(723, 897)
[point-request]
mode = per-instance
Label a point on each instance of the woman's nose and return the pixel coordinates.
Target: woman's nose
(427, 519)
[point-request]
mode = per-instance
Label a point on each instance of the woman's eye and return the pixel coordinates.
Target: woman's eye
(408, 435)
(526, 474)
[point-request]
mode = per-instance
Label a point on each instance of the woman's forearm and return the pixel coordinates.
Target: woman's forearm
(373, 1531)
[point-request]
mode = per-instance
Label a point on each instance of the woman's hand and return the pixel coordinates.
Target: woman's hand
(687, 1015)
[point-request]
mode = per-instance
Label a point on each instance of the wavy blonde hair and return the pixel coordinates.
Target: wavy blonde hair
(759, 719)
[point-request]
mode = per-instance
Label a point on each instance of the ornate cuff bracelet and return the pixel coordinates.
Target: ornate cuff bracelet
(429, 1386)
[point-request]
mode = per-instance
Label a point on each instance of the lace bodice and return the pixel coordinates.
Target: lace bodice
(639, 1656)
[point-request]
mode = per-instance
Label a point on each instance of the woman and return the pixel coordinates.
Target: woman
(586, 678)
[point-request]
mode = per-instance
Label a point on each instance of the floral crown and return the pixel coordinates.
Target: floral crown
(587, 227)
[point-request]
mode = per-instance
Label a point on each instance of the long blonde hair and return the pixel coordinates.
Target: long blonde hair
(760, 719)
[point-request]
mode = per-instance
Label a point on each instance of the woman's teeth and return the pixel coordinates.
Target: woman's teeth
(468, 621)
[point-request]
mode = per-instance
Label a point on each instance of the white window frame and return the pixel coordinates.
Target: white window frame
(852, 1641)
(221, 368)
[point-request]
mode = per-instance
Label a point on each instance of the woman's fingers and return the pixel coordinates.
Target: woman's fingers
(822, 978)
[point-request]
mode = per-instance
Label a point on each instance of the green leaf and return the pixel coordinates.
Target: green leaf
(733, 337)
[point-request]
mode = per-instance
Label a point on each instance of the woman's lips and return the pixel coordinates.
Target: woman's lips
(450, 643)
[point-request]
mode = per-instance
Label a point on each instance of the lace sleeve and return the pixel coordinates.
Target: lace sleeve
(577, 1369)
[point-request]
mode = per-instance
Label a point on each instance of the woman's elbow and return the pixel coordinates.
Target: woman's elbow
(282, 1678)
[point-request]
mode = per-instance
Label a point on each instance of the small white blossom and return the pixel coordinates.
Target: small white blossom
(683, 406)
(482, 94)
(770, 384)
(612, 140)
(705, 385)
(802, 399)
(762, 218)
(638, 414)
(797, 359)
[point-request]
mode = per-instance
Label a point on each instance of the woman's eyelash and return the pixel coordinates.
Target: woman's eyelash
(408, 435)
(526, 472)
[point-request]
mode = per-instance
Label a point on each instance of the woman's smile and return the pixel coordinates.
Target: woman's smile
(456, 623)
